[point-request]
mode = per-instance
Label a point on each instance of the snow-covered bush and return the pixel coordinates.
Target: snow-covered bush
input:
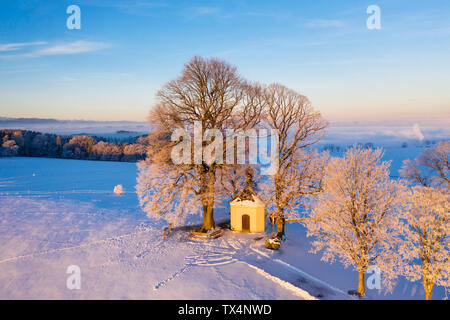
(119, 189)
(273, 244)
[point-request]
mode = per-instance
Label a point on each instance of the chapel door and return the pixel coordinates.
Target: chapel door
(246, 223)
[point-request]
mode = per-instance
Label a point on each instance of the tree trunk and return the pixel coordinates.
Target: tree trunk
(428, 286)
(280, 223)
(428, 294)
(208, 217)
(361, 287)
(273, 228)
(280, 227)
(208, 200)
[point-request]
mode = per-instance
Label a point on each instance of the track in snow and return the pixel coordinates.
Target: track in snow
(222, 251)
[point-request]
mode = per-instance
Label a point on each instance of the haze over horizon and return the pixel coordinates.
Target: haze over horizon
(111, 69)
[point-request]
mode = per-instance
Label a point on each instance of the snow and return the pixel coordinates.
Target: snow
(247, 203)
(66, 214)
(55, 213)
(304, 295)
(119, 189)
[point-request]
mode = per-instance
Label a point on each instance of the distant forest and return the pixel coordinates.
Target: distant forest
(25, 143)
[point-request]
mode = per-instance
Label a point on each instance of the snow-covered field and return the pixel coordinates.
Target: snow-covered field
(55, 213)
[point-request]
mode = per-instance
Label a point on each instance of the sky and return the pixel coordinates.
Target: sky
(112, 67)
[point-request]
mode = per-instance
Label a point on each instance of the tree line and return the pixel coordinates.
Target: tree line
(27, 143)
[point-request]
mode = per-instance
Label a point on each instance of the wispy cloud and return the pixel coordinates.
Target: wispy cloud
(258, 45)
(120, 4)
(19, 45)
(75, 47)
(71, 48)
(139, 8)
(68, 79)
(272, 15)
(205, 10)
(195, 12)
(351, 61)
(325, 23)
(94, 75)
(160, 8)
(131, 7)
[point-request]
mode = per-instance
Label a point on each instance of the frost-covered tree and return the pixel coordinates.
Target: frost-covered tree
(79, 147)
(425, 238)
(40, 145)
(355, 220)
(430, 168)
(134, 151)
(209, 92)
(299, 173)
(9, 148)
(234, 179)
(105, 151)
(166, 190)
(295, 183)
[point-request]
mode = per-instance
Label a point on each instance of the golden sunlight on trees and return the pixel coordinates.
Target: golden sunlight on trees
(208, 92)
(299, 171)
(355, 220)
(424, 239)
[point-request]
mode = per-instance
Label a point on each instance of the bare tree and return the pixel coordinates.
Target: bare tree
(355, 219)
(208, 92)
(431, 168)
(299, 126)
(425, 239)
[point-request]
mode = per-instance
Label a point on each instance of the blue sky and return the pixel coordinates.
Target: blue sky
(125, 51)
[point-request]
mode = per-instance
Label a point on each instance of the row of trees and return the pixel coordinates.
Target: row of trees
(363, 218)
(351, 207)
(35, 144)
